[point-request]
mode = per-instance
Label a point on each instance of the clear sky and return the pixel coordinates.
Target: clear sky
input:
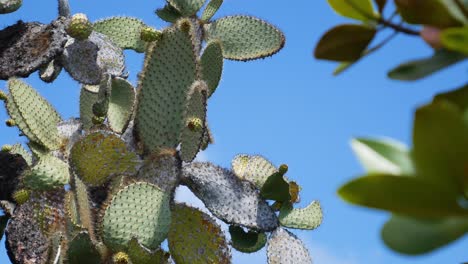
(290, 109)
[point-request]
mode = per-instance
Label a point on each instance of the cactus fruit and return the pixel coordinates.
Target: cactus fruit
(79, 27)
(195, 237)
(247, 242)
(211, 9)
(9, 6)
(149, 34)
(7, 148)
(21, 196)
(120, 258)
(285, 247)
(307, 218)
(245, 38)
(10, 123)
(3, 96)
(123, 31)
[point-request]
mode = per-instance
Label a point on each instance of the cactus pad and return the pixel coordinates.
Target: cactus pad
(45, 42)
(168, 13)
(307, 218)
(255, 169)
(195, 117)
(245, 38)
(164, 84)
(247, 242)
(9, 6)
(123, 31)
(84, 207)
(196, 238)
(228, 198)
(212, 65)
(87, 100)
(99, 156)
(11, 167)
(285, 247)
(49, 173)
(18, 149)
(162, 170)
(187, 7)
(82, 250)
(278, 188)
(139, 210)
(150, 34)
(50, 72)
(34, 116)
(141, 255)
(211, 9)
(120, 104)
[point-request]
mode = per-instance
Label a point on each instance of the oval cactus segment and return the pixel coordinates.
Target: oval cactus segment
(35, 117)
(82, 250)
(87, 100)
(99, 156)
(163, 86)
(285, 247)
(140, 255)
(123, 31)
(307, 218)
(84, 207)
(141, 211)
(211, 9)
(245, 38)
(212, 65)
(162, 170)
(255, 169)
(196, 238)
(247, 242)
(228, 198)
(168, 13)
(187, 7)
(120, 104)
(9, 6)
(18, 149)
(50, 72)
(71, 211)
(49, 173)
(195, 117)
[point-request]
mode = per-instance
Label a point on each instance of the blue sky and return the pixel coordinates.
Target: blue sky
(291, 109)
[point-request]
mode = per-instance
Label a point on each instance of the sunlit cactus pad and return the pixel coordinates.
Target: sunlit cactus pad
(255, 169)
(48, 173)
(121, 104)
(123, 31)
(139, 210)
(196, 238)
(212, 65)
(309, 217)
(285, 247)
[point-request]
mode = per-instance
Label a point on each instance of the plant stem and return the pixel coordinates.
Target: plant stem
(398, 28)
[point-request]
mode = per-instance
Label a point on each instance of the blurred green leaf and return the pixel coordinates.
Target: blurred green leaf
(417, 69)
(344, 42)
(385, 155)
(403, 195)
(416, 236)
(440, 139)
(438, 13)
(356, 9)
(458, 97)
(456, 39)
(3, 223)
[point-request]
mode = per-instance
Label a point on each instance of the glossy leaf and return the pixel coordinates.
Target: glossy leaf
(344, 42)
(356, 9)
(385, 155)
(417, 69)
(456, 39)
(443, 13)
(416, 236)
(405, 195)
(459, 97)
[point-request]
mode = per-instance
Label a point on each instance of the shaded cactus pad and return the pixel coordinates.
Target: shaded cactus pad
(307, 218)
(247, 242)
(196, 238)
(139, 210)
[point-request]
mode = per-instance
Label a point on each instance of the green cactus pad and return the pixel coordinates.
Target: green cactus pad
(278, 188)
(123, 31)
(255, 169)
(49, 173)
(162, 170)
(163, 86)
(44, 43)
(307, 218)
(9, 6)
(285, 247)
(99, 156)
(33, 115)
(84, 207)
(87, 100)
(71, 210)
(192, 136)
(120, 104)
(246, 242)
(50, 72)
(228, 198)
(245, 38)
(141, 255)
(196, 238)
(187, 7)
(168, 13)
(139, 210)
(211, 9)
(18, 149)
(82, 250)
(212, 65)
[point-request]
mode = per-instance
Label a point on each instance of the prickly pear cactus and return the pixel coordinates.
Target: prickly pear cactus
(101, 188)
